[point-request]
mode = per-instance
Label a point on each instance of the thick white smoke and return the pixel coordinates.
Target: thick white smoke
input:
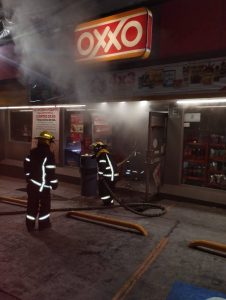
(43, 34)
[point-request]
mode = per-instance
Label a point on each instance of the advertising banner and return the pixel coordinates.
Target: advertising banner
(102, 129)
(77, 127)
(46, 119)
(201, 76)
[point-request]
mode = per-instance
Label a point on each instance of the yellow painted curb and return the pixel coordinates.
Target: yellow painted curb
(14, 201)
(108, 220)
(208, 244)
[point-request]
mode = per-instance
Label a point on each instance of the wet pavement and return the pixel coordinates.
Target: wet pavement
(78, 259)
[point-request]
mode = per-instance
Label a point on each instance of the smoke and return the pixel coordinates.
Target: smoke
(42, 33)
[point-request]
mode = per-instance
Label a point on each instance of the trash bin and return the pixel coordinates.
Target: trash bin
(88, 170)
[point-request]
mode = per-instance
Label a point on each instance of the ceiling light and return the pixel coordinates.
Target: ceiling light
(201, 101)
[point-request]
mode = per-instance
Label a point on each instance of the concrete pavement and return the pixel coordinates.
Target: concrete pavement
(83, 260)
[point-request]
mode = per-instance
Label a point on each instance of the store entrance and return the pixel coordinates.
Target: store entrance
(156, 150)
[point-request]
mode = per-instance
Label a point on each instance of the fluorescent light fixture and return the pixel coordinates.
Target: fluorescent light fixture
(31, 107)
(202, 101)
(70, 105)
(211, 106)
(25, 110)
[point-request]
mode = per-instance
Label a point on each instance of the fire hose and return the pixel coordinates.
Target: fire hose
(136, 208)
(140, 207)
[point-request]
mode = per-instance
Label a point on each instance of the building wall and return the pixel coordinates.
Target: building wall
(3, 127)
(13, 149)
(192, 27)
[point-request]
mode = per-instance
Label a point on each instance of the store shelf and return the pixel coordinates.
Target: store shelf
(211, 164)
(217, 158)
(195, 161)
(195, 178)
(221, 146)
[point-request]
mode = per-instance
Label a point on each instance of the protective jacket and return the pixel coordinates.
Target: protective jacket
(107, 174)
(39, 168)
(106, 165)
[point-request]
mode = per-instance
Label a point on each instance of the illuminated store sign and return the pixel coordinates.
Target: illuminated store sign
(124, 35)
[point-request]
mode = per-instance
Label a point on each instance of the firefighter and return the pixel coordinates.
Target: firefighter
(107, 171)
(39, 168)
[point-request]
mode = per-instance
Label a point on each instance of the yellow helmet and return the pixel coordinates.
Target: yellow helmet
(46, 135)
(97, 146)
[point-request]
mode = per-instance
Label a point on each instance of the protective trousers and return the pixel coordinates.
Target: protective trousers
(38, 205)
(104, 193)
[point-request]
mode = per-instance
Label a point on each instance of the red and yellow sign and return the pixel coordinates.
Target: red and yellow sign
(124, 35)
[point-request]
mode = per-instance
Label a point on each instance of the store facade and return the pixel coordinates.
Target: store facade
(195, 143)
(115, 107)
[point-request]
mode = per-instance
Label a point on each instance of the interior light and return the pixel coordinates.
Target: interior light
(31, 107)
(143, 102)
(70, 105)
(201, 101)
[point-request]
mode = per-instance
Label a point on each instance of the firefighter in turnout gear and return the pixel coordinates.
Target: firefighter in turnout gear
(39, 168)
(107, 171)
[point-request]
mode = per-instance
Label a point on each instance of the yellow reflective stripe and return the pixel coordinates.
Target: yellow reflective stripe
(105, 197)
(44, 217)
(36, 182)
(30, 217)
(47, 186)
(39, 184)
(112, 170)
(54, 181)
(43, 174)
(27, 159)
(50, 167)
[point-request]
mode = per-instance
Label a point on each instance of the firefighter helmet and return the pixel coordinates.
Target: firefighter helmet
(45, 135)
(97, 146)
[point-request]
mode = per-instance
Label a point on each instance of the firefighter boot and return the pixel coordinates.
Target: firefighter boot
(30, 225)
(44, 224)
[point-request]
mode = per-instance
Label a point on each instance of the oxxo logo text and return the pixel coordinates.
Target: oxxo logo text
(124, 35)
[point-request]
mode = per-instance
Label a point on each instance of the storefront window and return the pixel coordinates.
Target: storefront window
(204, 157)
(74, 128)
(21, 126)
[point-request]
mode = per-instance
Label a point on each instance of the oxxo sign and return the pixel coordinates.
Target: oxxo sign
(120, 36)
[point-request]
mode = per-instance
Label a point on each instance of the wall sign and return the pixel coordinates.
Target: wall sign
(120, 36)
(46, 119)
(192, 117)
